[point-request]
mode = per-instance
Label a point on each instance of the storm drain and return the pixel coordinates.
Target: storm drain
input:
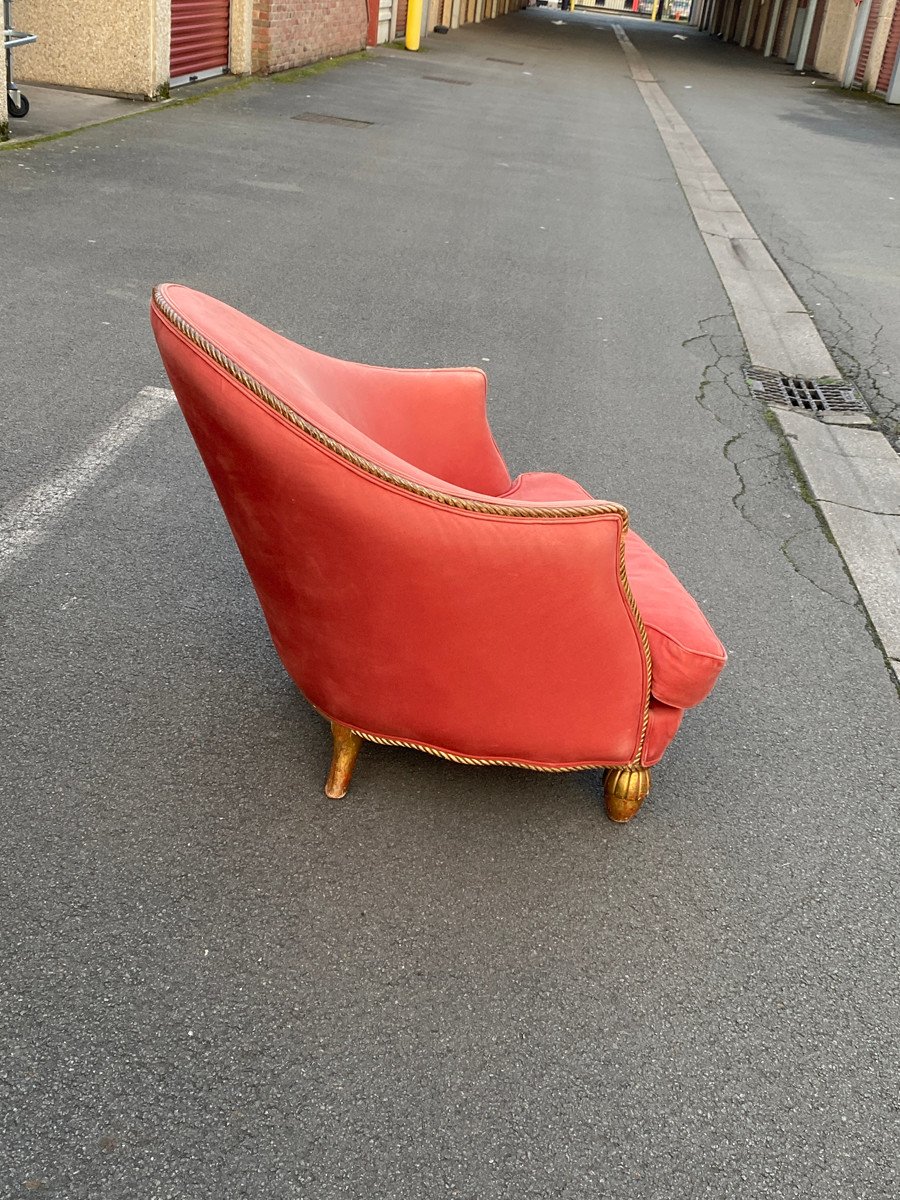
(510, 62)
(446, 79)
(806, 395)
(329, 119)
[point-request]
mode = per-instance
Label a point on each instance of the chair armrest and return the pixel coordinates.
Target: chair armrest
(483, 635)
(501, 637)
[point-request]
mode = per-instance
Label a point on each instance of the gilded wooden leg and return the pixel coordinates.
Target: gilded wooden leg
(343, 760)
(625, 789)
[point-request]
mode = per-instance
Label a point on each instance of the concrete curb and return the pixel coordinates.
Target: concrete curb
(852, 471)
(854, 477)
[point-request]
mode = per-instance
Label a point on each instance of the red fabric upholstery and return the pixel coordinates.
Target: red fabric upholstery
(546, 487)
(418, 424)
(661, 728)
(492, 635)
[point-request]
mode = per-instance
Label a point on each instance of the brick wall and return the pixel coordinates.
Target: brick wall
(290, 33)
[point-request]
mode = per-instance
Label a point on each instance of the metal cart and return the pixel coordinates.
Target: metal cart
(16, 103)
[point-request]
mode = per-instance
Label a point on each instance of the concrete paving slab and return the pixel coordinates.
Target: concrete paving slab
(870, 545)
(845, 418)
(720, 222)
(60, 110)
(854, 475)
(854, 467)
(751, 277)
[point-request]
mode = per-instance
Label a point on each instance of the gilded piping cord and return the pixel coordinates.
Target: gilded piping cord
(461, 758)
(473, 762)
(477, 506)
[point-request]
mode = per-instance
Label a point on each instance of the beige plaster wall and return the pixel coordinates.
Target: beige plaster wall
(4, 123)
(161, 31)
(762, 24)
(93, 44)
(241, 37)
(834, 40)
(113, 47)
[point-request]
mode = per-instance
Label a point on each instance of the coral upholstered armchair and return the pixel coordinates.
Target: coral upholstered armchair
(415, 593)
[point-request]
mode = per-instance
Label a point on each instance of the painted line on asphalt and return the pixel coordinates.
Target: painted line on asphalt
(26, 521)
(853, 473)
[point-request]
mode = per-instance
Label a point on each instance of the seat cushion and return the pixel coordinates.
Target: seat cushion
(686, 655)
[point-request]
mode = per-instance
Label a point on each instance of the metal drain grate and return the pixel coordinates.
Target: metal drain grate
(329, 119)
(445, 79)
(807, 395)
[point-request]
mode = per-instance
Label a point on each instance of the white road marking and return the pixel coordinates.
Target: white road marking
(27, 520)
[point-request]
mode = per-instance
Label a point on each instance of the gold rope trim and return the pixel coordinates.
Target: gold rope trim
(473, 762)
(477, 506)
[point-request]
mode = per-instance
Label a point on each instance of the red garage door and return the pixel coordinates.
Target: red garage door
(199, 39)
(890, 54)
(863, 61)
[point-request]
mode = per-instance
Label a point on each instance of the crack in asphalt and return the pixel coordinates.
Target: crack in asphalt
(872, 512)
(726, 372)
(793, 562)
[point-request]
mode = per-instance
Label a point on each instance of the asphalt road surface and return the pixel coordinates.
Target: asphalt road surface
(456, 982)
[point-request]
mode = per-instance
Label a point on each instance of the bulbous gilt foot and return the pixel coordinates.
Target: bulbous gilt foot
(625, 789)
(343, 760)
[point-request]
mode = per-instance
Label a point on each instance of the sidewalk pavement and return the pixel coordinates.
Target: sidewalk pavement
(60, 110)
(460, 982)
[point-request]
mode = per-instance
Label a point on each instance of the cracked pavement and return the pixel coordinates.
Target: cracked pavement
(457, 982)
(817, 172)
(758, 464)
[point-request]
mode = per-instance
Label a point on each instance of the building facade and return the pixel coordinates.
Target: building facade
(855, 43)
(444, 14)
(140, 49)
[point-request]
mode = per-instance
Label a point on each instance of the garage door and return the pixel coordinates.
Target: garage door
(862, 62)
(199, 39)
(891, 50)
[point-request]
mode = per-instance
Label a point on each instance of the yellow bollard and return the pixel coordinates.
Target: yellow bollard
(414, 24)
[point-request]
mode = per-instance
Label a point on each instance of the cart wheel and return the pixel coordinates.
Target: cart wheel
(20, 109)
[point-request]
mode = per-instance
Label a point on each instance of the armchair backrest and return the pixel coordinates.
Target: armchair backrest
(432, 423)
(404, 605)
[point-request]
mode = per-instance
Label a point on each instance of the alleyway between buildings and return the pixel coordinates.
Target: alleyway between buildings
(458, 981)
